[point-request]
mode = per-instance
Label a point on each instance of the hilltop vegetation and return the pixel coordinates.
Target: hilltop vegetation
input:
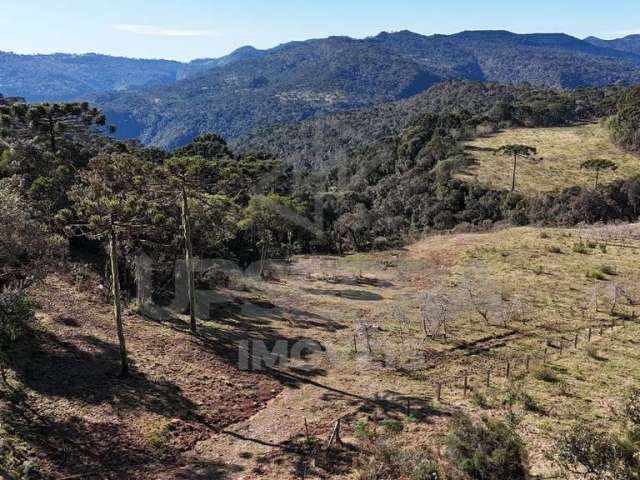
(327, 141)
(302, 80)
(557, 165)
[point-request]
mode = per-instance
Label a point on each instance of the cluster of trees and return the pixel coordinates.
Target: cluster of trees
(61, 179)
(625, 124)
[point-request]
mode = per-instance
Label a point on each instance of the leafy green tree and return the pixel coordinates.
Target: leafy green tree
(515, 151)
(625, 124)
(185, 181)
(273, 219)
(111, 202)
(26, 244)
(599, 165)
(49, 123)
(208, 146)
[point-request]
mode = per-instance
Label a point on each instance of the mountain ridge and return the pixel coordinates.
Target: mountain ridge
(304, 79)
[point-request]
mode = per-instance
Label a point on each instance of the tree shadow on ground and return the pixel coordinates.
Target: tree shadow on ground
(349, 294)
(55, 367)
(77, 448)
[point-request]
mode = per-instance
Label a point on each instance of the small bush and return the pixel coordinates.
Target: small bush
(596, 274)
(545, 374)
(580, 247)
(592, 351)
(530, 404)
(554, 249)
(603, 247)
(479, 399)
(363, 430)
(632, 407)
(608, 269)
(596, 452)
(392, 426)
(16, 312)
(386, 461)
(544, 235)
(488, 449)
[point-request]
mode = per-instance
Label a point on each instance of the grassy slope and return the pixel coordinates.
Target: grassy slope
(521, 262)
(560, 152)
(321, 298)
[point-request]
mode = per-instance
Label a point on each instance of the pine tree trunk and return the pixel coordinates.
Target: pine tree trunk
(597, 175)
(188, 256)
(3, 373)
(513, 177)
(117, 302)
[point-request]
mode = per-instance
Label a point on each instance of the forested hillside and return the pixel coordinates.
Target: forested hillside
(61, 77)
(302, 80)
(326, 141)
(630, 43)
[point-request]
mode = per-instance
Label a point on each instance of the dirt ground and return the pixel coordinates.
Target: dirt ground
(188, 411)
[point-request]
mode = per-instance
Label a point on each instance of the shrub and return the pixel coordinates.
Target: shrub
(554, 249)
(580, 247)
(530, 404)
(592, 351)
(608, 269)
(16, 312)
(479, 399)
(391, 425)
(595, 452)
(363, 431)
(386, 461)
(596, 274)
(486, 450)
(632, 407)
(545, 374)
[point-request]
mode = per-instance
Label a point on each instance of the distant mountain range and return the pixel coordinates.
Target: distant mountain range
(62, 77)
(630, 43)
(167, 103)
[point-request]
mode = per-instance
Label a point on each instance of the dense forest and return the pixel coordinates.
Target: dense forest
(301, 80)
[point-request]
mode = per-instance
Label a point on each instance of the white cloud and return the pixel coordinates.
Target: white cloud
(154, 30)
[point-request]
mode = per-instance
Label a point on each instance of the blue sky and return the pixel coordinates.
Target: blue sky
(187, 29)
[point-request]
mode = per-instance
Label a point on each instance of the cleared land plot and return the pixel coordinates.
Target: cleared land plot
(557, 164)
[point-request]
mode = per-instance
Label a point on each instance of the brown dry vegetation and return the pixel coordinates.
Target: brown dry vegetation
(561, 150)
(188, 412)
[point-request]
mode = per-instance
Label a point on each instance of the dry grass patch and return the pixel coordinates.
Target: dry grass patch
(561, 150)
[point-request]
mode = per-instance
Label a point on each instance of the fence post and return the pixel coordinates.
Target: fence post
(589, 339)
(526, 366)
(488, 377)
(355, 344)
(439, 391)
(545, 355)
(575, 343)
(466, 385)
(508, 369)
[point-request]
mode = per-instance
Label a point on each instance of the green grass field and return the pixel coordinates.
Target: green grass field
(557, 165)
